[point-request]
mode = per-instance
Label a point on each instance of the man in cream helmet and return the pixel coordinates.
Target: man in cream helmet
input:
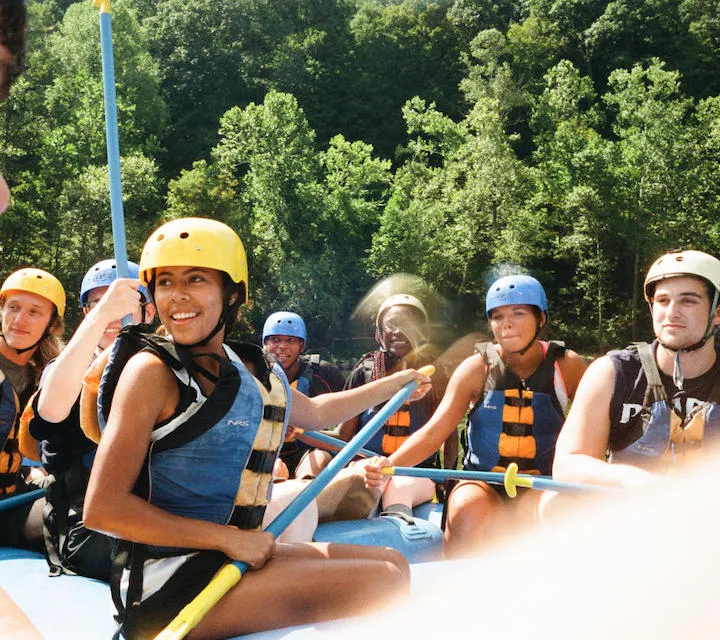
(653, 405)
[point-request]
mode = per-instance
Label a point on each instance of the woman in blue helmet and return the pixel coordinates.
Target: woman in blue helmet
(50, 426)
(285, 336)
(517, 389)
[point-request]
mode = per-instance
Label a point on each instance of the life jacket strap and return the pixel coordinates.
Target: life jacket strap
(247, 517)
(261, 461)
(273, 413)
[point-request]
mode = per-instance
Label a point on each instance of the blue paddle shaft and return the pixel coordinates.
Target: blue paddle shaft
(336, 442)
(493, 477)
(113, 150)
(310, 492)
(21, 498)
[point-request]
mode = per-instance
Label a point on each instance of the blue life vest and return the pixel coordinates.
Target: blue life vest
(517, 420)
(231, 461)
(664, 437)
(214, 459)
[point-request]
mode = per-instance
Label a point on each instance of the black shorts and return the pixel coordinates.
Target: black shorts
(12, 523)
(152, 615)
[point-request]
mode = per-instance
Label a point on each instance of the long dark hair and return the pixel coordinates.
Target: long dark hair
(13, 20)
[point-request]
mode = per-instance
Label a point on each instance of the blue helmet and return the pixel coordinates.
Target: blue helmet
(516, 290)
(284, 323)
(103, 274)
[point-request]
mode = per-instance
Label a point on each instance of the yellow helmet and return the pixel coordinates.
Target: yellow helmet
(39, 282)
(400, 299)
(195, 242)
(683, 263)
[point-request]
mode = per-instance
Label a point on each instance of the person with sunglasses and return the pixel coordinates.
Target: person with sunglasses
(642, 410)
(50, 426)
(401, 333)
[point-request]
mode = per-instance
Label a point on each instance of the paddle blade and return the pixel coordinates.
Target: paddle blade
(195, 611)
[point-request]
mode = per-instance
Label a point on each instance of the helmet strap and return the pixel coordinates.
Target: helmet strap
(525, 349)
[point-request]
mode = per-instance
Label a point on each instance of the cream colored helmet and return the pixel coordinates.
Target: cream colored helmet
(400, 299)
(683, 263)
(696, 264)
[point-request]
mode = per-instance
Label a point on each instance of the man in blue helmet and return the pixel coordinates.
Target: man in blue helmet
(517, 390)
(50, 424)
(285, 336)
(13, 16)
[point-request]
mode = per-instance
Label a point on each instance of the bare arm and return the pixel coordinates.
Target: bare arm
(63, 383)
(465, 386)
(111, 506)
(573, 367)
(329, 409)
(583, 441)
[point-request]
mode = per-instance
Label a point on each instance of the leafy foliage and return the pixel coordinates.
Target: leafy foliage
(347, 140)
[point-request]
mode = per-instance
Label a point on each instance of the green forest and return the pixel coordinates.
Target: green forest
(348, 140)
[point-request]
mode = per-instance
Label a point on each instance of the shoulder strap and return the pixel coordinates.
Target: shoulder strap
(213, 409)
(557, 348)
(489, 353)
(262, 361)
(369, 368)
(647, 359)
(100, 380)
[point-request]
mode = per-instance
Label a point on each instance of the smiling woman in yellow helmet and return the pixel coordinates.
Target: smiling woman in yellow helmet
(32, 304)
(205, 436)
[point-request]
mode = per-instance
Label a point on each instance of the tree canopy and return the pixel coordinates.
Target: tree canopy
(348, 140)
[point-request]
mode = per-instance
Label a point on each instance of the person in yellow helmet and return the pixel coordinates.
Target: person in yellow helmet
(639, 411)
(32, 304)
(202, 429)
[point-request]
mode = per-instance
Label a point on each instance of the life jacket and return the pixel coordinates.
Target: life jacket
(408, 419)
(303, 384)
(10, 456)
(70, 548)
(517, 420)
(666, 438)
(229, 439)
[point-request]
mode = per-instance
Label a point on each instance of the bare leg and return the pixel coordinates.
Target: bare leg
(303, 527)
(473, 511)
(346, 497)
(408, 491)
(312, 463)
(33, 529)
(295, 589)
(338, 551)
